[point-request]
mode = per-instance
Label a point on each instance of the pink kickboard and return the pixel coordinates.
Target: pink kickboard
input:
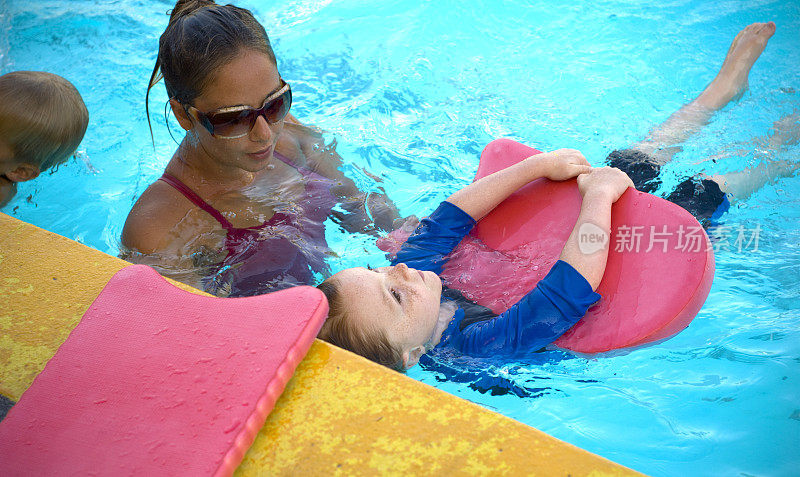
(155, 380)
(647, 295)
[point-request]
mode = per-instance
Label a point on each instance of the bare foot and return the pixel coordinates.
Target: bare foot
(731, 81)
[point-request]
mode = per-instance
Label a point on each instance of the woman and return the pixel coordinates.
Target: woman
(241, 205)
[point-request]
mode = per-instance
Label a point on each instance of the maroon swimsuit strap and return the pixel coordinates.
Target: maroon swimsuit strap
(233, 231)
(196, 199)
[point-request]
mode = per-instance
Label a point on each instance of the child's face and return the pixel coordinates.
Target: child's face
(400, 301)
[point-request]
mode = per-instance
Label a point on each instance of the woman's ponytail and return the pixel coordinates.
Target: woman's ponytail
(185, 7)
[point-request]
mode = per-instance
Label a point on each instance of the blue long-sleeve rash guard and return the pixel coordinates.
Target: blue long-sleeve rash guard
(559, 300)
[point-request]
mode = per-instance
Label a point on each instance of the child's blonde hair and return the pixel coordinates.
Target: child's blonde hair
(339, 331)
(42, 117)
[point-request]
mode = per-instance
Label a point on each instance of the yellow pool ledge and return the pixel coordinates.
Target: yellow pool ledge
(339, 415)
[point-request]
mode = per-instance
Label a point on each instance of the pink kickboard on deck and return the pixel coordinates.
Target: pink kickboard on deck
(155, 380)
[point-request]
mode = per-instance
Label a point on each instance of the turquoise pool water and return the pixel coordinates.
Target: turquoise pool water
(413, 91)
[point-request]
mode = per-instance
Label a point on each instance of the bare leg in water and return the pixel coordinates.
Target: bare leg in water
(742, 184)
(730, 83)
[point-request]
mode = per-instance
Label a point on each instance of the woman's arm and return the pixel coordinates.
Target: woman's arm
(364, 211)
(183, 269)
(483, 195)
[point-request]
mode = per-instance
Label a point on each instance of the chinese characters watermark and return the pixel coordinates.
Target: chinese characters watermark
(652, 238)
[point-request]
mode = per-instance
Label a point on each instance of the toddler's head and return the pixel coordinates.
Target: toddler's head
(387, 315)
(42, 122)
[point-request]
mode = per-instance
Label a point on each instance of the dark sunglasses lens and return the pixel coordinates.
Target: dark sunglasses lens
(239, 123)
(278, 108)
(235, 123)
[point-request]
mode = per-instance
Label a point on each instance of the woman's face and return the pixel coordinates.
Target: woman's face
(247, 80)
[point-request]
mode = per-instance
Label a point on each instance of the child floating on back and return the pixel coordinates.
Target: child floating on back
(393, 315)
(42, 122)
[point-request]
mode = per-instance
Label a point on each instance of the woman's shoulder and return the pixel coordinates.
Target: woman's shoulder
(155, 214)
(304, 140)
(305, 145)
(302, 131)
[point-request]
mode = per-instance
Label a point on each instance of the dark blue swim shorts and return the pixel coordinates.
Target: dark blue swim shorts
(701, 197)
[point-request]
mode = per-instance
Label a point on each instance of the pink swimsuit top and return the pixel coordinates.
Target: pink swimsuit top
(286, 250)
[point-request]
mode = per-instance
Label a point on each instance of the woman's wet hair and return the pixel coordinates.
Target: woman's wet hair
(340, 331)
(201, 37)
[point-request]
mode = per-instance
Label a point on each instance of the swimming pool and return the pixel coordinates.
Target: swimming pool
(415, 91)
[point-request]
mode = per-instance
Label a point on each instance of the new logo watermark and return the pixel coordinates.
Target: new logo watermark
(591, 238)
(640, 238)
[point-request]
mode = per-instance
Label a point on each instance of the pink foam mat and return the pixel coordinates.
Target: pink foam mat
(158, 381)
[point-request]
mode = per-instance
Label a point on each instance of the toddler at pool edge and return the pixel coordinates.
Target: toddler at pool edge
(393, 315)
(42, 122)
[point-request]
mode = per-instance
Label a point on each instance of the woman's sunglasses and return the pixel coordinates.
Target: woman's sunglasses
(237, 121)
